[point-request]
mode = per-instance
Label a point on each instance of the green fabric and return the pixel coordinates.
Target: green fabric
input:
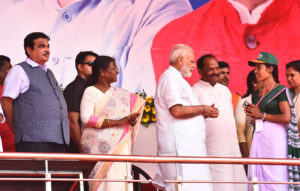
(270, 105)
(273, 106)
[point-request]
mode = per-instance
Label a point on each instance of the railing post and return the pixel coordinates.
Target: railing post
(254, 185)
(178, 186)
(81, 182)
(128, 185)
(47, 175)
(253, 179)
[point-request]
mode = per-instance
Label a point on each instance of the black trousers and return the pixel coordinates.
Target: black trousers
(72, 148)
(42, 147)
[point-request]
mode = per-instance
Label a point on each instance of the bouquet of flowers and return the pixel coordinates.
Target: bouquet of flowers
(149, 114)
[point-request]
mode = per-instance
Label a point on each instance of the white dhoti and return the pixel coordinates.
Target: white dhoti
(191, 144)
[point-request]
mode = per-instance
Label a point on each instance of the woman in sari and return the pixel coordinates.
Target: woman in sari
(271, 110)
(110, 118)
(293, 79)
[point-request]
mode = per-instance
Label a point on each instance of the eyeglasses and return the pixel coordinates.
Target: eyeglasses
(88, 63)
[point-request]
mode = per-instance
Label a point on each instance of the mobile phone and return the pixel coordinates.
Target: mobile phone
(246, 104)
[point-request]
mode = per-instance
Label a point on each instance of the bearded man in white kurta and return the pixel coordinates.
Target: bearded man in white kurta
(180, 123)
(221, 135)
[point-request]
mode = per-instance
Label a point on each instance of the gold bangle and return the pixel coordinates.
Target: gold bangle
(108, 123)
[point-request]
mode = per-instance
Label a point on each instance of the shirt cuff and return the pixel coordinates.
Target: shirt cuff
(12, 96)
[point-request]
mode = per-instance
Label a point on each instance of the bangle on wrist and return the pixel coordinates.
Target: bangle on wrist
(203, 109)
(261, 115)
(264, 116)
(108, 123)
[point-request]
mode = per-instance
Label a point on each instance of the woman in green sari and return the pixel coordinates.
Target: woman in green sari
(272, 112)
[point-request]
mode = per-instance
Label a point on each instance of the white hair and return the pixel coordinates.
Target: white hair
(179, 50)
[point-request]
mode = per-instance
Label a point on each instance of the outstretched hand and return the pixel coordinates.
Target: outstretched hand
(211, 111)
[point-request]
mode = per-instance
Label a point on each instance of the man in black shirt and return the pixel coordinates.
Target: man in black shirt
(73, 94)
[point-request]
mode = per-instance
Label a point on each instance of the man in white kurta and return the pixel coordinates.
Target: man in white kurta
(221, 135)
(180, 123)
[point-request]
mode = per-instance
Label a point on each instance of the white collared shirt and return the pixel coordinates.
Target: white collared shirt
(221, 135)
(17, 80)
(245, 15)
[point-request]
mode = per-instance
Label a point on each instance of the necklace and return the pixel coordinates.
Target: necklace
(266, 93)
(270, 88)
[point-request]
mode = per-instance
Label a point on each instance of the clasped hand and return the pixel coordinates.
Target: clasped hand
(211, 111)
(253, 111)
(131, 119)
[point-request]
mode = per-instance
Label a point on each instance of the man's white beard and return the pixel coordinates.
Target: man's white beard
(185, 71)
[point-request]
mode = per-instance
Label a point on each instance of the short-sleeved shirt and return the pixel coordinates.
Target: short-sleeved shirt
(273, 106)
(17, 80)
(73, 94)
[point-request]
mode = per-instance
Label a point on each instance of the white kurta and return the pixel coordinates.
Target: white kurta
(221, 135)
(179, 137)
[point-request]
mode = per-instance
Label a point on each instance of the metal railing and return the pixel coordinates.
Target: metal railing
(142, 159)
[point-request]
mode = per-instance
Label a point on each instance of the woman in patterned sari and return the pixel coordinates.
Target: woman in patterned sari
(293, 79)
(110, 118)
(273, 128)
